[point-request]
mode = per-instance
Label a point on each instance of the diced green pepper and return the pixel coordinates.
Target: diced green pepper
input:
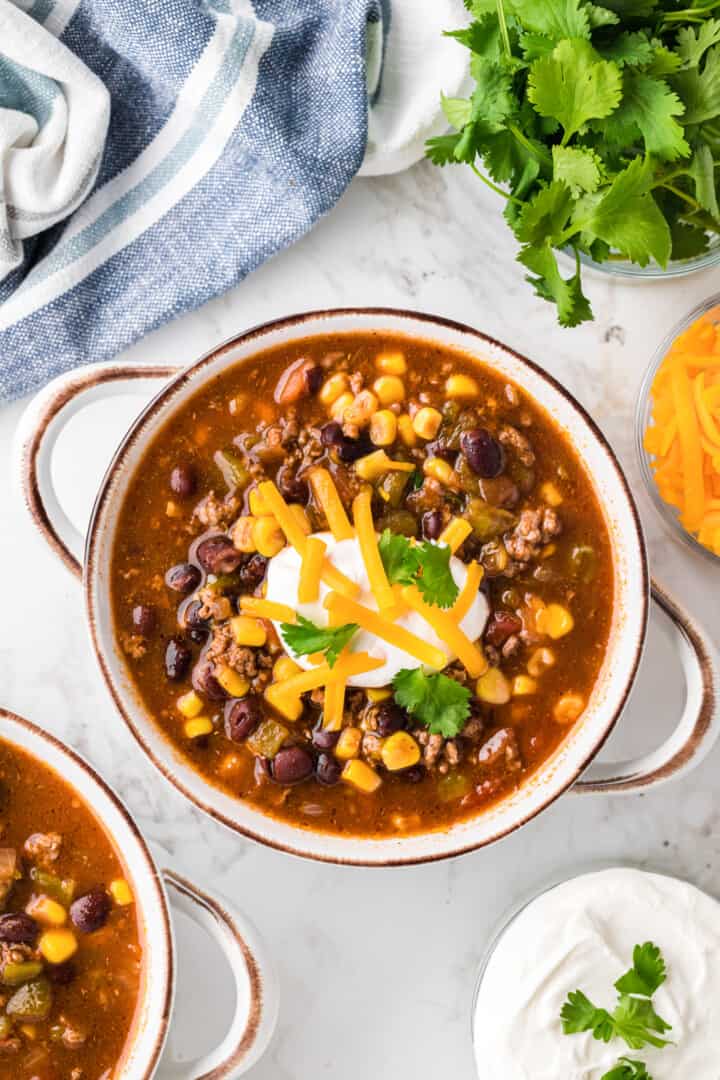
(32, 1002)
(398, 521)
(15, 974)
(488, 521)
(225, 583)
(233, 467)
(393, 484)
(60, 889)
(267, 739)
(583, 563)
(469, 480)
(466, 421)
(453, 786)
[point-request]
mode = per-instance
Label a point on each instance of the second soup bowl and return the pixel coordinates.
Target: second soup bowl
(90, 558)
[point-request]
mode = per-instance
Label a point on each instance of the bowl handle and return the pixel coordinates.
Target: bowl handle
(40, 426)
(256, 998)
(697, 727)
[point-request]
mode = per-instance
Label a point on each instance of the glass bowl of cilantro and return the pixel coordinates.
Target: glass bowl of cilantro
(598, 125)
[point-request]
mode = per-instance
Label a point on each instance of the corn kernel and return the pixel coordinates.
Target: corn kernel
(540, 660)
(406, 430)
(29, 1031)
(493, 688)
(267, 536)
(550, 494)
(522, 685)
(568, 708)
(298, 512)
(47, 912)
(333, 387)
(190, 704)
(554, 620)
(258, 504)
(455, 533)
(340, 406)
(400, 751)
(172, 510)
(391, 363)
(390, 389)
(121, 892)
(348, 744)
(426, 422)
(362, 776)
(284, 668)
(241, 534)
(461, 386)
(57, 946)
(237, 404)
(374, 465)
(361, 411)
(234, 684)
(289, 707)
(383, 428)
(440, 470)
(248, 631)
(195, 729)
(381, 694)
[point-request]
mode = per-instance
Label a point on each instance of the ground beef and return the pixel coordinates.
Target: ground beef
(17, 954)
(213, 605)
(133, 645)
(223, 649)
(371, 746)
(512, 647)
(534, 530)
(501, 746)
(511, 437)
(43, 848)
(429, 496)
(213, 512)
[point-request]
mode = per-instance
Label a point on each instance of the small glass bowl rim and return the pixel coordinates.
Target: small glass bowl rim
(653, 271)
(666, 512)
(529, 897)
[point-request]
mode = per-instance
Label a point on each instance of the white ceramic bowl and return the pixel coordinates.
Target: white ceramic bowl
(156, 892)
(695, 730)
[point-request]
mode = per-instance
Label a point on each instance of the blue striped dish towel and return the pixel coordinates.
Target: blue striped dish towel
(152, 155)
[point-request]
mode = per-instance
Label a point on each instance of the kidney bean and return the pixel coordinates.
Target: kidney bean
(177, 659)
(389, 718)
(324, 739)
(183, 578)
(313, 378)
(252, 572)
(17, 928)
(432, 524)
(143, 617)
(242, 716)
(484, 454)
(292, 764)
(328, 769)
(91, 911)
(218, 556)
(183, 480)
(501, 626)
(204, 681)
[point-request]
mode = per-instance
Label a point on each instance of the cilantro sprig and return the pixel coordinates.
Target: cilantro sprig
(634, 1019)
(305, 637)
(437, 701)
(627, 1070)
(423, 564)
(599, 123)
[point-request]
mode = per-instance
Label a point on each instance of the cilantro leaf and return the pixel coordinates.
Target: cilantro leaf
(627, 1070)
(636, 1021)
(554, 18)
(629, 49)
(692, 44)
(572, 304)
(579, 1014)
(435, 580)
(457, 110)
(545, 216)
(628, 218)
(652, 106)
(647, 973)
(702, 170)
(577, 167)
(700, 90)
(441, 704)
(399, 558)
(305, 638)
(574, 85)
(441, 149)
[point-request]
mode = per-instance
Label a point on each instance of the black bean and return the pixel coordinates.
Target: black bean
(17, 928)
(62, 974)
(189, 615)
(183, 481)
(414, 774)
(183, 578)
(218, 556)
(389, 718)
(484, 454)
(313, 378)
(328, 769)
(502, 625)
(351, 449)
(291, 485)
(252, 572)
(242, 716)
(292, 764)
(177, 659)
(432, 524)
(91, 911)
(323, 738)
(143, 618)
(331, 434)
(204, 681)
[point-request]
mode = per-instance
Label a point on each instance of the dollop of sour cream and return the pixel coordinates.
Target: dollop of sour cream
(282, 584)
(580, 936)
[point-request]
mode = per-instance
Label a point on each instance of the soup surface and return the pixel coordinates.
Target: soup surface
(70, 954)
(364, 583)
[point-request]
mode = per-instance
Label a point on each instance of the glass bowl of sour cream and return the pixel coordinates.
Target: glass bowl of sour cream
(580, 934)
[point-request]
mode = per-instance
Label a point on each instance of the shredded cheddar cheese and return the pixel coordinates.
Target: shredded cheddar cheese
(462, 605)
(442, 622)
(683, 437)
(327, 495)
(347, 610)
(365, 528)
(310, 570)
(266, 609)
(455, 533)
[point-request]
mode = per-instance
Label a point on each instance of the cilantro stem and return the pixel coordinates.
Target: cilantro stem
(691, 14)
(494, 187)
(503, 28)
(539, 154)
(681, 195)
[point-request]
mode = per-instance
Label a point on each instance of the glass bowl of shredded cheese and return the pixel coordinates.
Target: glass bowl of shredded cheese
(678, 428)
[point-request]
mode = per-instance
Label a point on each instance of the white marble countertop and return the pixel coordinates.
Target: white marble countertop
(377, 966)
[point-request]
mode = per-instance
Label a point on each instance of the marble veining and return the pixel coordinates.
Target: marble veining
(377, 967)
